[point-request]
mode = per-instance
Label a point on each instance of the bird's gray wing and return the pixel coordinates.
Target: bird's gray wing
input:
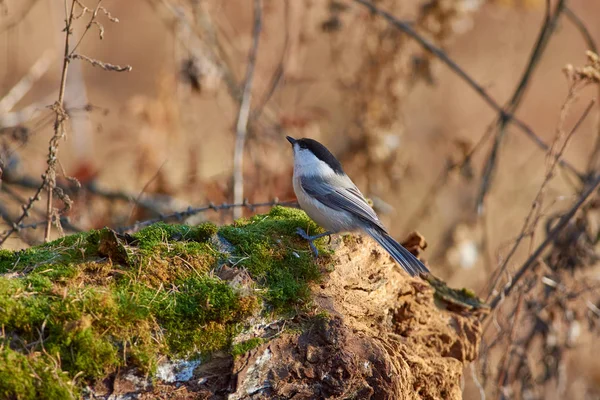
(340, 194)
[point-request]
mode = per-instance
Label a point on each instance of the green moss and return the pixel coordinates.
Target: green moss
(61, 252)
(448, 297)
(88, 304)
(274, 255)
(198, 316)
(161, 233)
(239, 349)
(83, 349)
(33, 376)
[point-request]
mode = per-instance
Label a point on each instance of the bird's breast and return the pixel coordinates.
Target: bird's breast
(326, 217)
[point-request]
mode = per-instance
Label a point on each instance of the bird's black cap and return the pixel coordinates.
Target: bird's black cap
(319, 151)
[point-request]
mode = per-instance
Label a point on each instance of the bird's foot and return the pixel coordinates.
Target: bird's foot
(302, 233)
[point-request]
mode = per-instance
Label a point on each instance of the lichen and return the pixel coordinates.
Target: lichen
(80, 307)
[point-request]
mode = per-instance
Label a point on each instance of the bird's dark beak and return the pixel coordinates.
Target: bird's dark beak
(291, 140)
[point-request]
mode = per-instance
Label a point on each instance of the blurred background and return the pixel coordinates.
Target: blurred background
(413, 135)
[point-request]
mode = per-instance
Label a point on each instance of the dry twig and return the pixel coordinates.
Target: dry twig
(540, 46)
(61, 116)
(533, 259)
(536, 206)
(104, 65)
(440, 54)
(214, 207)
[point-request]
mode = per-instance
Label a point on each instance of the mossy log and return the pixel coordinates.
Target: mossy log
(240, 312)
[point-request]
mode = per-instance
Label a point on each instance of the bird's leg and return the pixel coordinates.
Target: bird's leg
(302, 233)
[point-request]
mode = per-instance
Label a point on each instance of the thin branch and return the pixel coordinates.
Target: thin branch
(49, 176)
(26, 209)
(59, 127)
(64, 221)
(244, 112)
(580, 25)
(532, 260)
(540, 46)
(152, 203)
(439, 53)
(104, 65)
(535, 205)
(428, 200)
(594, 160)
(179, 215)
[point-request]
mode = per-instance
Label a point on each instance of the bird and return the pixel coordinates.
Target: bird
(330, 198)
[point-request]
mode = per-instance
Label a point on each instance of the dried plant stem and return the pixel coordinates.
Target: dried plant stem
(553, 155)
(244, 113)
(594, 160)
(49, 176)
(59, 124)
(532, 260)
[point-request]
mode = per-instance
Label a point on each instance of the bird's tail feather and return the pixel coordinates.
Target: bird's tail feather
(405, 258)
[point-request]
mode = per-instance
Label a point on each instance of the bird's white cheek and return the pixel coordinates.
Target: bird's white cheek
(307, 164)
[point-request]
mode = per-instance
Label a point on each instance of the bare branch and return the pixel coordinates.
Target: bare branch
(536, 54)
(532, 260)
(587, 36)
(534, 212)
(59, 127)
(214, 207)
(104, 65)
(152, 203)
(439, 53)
(49, 176)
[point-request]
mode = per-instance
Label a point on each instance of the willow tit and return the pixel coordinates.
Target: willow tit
(334, 202)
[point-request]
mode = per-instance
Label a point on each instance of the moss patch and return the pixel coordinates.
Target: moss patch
(275, 256)
(447, 297)
(78, 308)
(33, 376)
(244, 347)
